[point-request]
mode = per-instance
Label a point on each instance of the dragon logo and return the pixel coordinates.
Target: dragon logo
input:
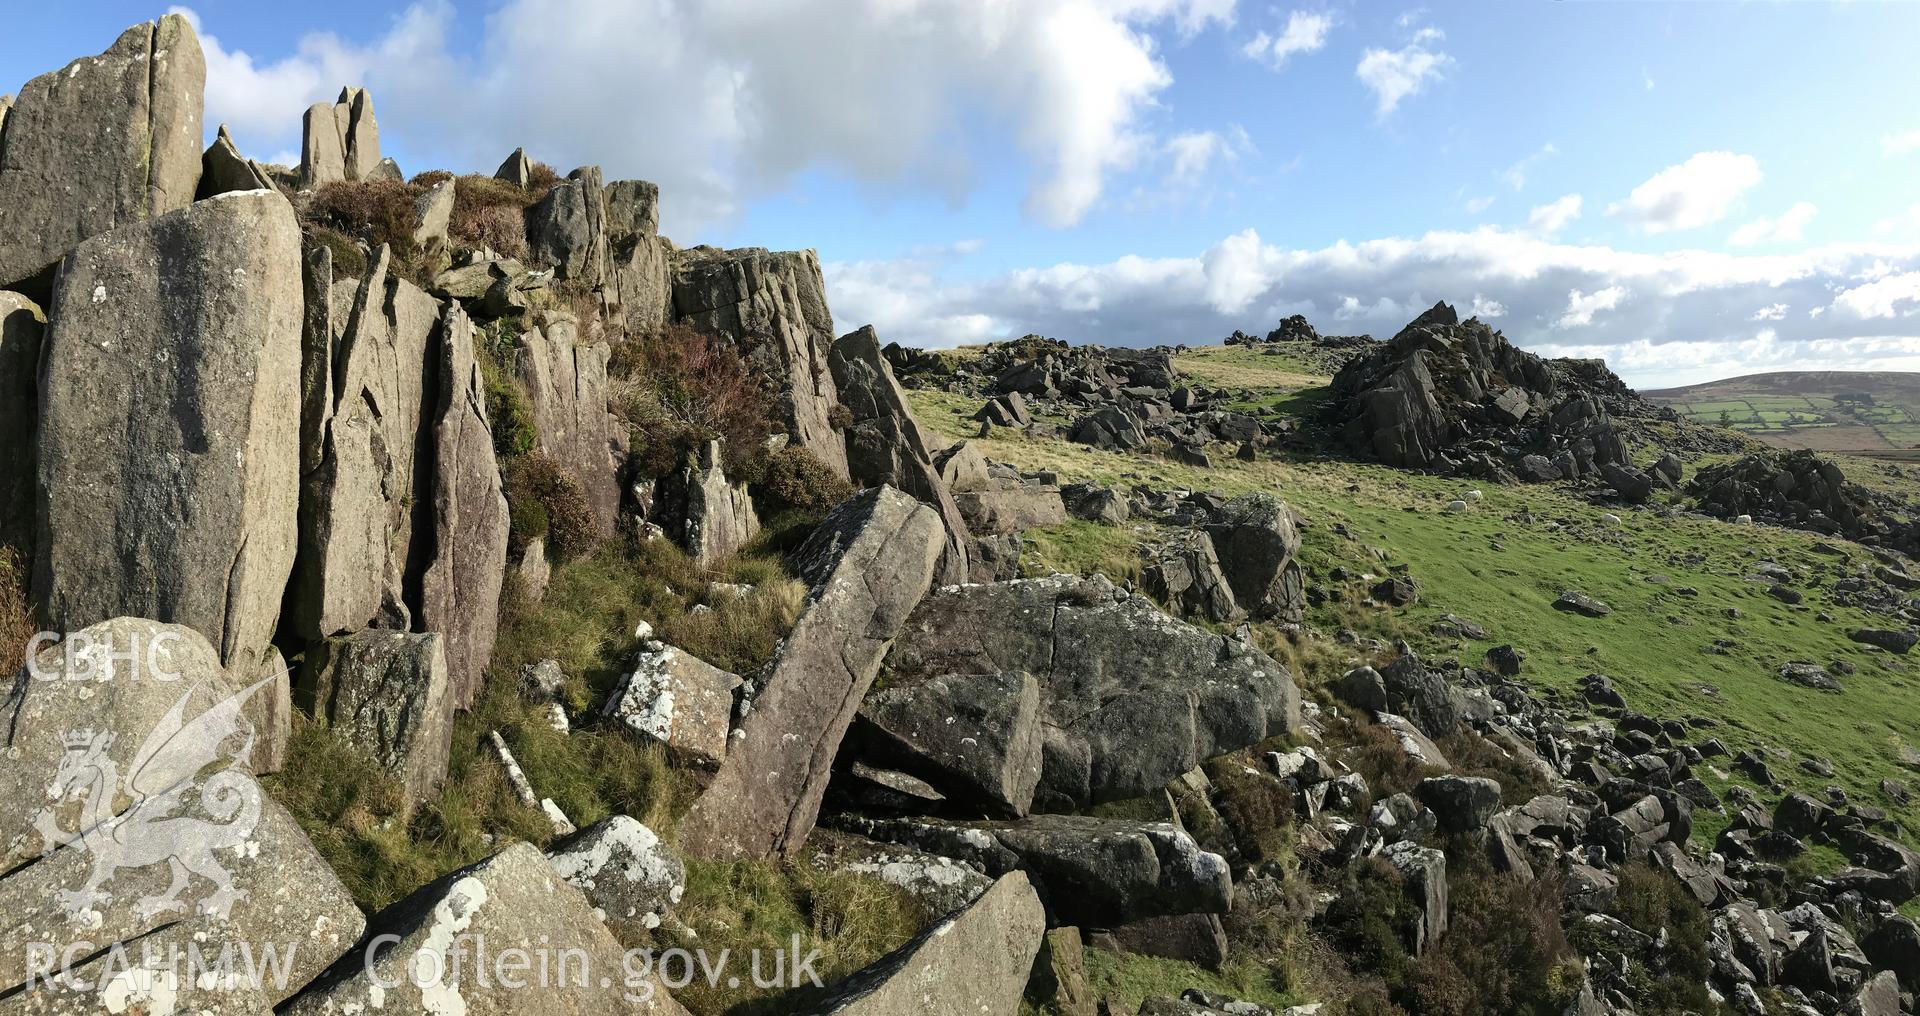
(182, 762)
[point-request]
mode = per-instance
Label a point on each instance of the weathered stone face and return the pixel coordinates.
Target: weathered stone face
(886, 444)
(637, 279)
(1257, 543)
(976, 737)
(223, 170)
(467, 559)
(22, 324)
(710, 517)
(385, 693)
(626, 872)
(976, 961)
(1131, 698)
(773, 308)
(340, 140)
(679, 700)
(512, 899)
(566, 384)
(169, 424)
(568, 228)
(101, 144)
(358, 499)
(868, 564)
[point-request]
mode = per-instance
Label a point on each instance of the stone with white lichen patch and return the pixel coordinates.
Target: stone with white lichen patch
(630, 876)
(679, 700)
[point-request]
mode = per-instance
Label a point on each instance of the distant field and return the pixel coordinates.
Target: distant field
(1833, 411)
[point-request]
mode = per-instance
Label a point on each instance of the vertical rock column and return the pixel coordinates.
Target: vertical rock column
(106, 141)
(169, 431)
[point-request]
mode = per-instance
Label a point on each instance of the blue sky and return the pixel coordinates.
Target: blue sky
(1689, 189)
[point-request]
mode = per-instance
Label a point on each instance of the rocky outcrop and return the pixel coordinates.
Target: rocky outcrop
(386, 694)
(626, 872)
(1130, 697)
(1185, 574)
(516, 169)
(1257, 544)
(465, 562)
(169, 429)
(867, 565)
(339, 141)
(510, 898)
(101, 144)
(1093, 872)
(974, 737)
(773, 308)
(1798, 489)
(886, 445)
(370, 349)
(976, 961)
(638, 287)
(709, 516)
(223, 170)
(22, 324)
(940, 884)
(567, 229)
(1441, 385)
(566, 382)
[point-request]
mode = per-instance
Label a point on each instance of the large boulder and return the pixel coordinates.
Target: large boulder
(1424, 870)
(773, 308)
(418, 955)
(386, 694)
(566, 382)
(369, 352)
(465, 564)
(22, 324)
(976, 961)
(101, 144)
(940, 884)
(1257, 543)
(256, 884)
(567, 228)
(1130, 697)
(1095, 872)
(1406, 687)
(974, 737)
(121, 679)
(867, 565)
(1185, 574)
(887, 445)
(638, 285)
(169, 429)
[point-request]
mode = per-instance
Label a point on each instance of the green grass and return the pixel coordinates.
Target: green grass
(1132, 978)
(1504, 562)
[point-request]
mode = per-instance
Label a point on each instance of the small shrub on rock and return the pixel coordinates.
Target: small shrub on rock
(538, 488)
(676, 387)
(795, 484)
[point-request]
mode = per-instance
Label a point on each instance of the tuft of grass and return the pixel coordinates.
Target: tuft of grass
(16, 616)
(745, 906)
(1078, 547)
(1131, 978)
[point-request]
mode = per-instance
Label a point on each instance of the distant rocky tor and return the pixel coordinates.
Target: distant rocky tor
(309, 468)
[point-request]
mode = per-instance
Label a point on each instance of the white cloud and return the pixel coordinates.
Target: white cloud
(1395, 74)
(1304, 33)
(1785, 229)
(1899, 142)
(1192, 153)
(1906, 221)
(1888, 296)
(1695, 193)
(1771, 312)
(1662, 318)
(1581, 307)
(718, 102)
(1486, 309)
(1480, 204)
(1516, 175)
(1554, 216)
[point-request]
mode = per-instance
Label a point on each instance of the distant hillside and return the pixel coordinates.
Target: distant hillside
(1827, 410)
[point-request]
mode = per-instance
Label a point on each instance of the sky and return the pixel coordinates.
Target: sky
(1689, 189)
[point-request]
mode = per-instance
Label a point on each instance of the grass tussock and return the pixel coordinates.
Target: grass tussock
(16, 616)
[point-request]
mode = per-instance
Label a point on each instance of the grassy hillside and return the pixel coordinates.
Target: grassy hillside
(1693, 630)
(1871, 411)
